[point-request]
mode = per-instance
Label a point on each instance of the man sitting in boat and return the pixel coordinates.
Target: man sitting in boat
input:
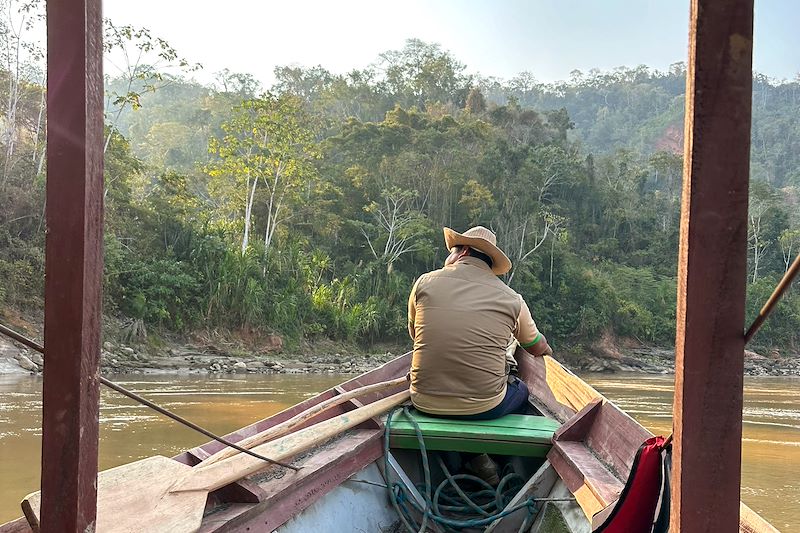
(462, 319)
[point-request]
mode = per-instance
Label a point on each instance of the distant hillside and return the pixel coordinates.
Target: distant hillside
(638, 109)
(642, 110)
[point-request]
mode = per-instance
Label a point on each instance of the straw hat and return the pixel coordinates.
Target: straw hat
(483, 240)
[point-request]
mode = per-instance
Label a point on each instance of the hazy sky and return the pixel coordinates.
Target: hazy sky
(549, 38)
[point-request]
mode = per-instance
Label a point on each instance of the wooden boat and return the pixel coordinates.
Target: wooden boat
(577, 469)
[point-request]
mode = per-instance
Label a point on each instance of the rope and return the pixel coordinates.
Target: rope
(450, 507)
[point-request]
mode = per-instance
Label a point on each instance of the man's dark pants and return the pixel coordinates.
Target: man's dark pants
(514, 402)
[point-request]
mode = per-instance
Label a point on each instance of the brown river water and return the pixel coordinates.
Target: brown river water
(771, 456)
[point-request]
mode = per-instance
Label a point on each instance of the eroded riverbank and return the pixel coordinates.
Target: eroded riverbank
(327, 358)
(210, 358)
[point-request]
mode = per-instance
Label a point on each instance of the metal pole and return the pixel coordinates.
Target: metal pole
(712, 271)
(73, 265)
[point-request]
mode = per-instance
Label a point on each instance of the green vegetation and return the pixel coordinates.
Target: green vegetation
(310, 208)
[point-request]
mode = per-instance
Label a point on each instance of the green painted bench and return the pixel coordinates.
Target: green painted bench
(522, 435)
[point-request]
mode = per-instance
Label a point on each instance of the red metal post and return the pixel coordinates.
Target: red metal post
(74, 265)
(712, 269)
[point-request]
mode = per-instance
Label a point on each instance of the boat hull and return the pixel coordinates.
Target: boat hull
(338, 487)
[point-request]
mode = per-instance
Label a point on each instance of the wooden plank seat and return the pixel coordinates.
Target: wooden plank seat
(521, 435)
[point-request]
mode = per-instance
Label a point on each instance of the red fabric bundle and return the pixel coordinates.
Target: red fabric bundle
(635, 510)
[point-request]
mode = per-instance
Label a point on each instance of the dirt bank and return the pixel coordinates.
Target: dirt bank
(612, 354)
(205, 353)
(257, 352)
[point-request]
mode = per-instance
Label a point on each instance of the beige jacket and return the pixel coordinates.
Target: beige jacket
(462, 319)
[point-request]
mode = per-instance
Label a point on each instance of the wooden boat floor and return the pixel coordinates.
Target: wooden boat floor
(521, 435)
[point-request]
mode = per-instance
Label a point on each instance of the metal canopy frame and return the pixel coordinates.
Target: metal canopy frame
(712, 263)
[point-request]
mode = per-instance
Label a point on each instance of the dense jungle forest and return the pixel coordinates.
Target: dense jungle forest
(309, 207)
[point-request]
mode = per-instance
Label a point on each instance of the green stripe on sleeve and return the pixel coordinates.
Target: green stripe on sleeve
(534, 341)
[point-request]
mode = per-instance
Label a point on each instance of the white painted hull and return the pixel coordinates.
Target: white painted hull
(352, 506)
(361, 505)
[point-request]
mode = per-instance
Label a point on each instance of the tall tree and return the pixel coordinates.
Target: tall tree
(422, 72)
(23, 75)
(789, 242)
(397, 224)
(267, 144)
(476, 103)
(762, 199)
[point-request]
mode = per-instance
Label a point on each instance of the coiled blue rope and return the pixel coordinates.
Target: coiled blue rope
(463, 509)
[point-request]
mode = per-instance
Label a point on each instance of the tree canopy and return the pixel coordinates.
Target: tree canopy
(310, 208)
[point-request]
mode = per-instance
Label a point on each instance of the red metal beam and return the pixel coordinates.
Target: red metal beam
(712, 269)
(74, 265)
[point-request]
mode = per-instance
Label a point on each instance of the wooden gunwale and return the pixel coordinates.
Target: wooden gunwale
(323, 471)
(392, 369)
(559, 393)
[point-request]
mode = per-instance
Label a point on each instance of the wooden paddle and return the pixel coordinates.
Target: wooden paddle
(161, 495)
(288, 426)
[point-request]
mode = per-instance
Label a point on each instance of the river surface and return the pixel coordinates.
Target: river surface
(771, 456)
